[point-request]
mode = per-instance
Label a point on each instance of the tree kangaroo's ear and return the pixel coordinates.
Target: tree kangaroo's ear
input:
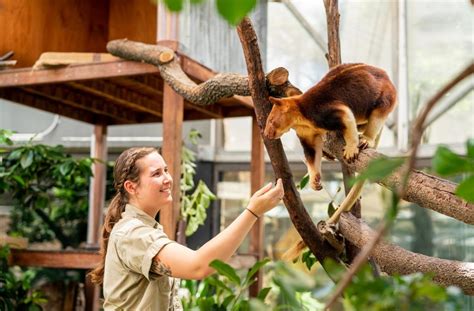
(278, 76)
(275, 101)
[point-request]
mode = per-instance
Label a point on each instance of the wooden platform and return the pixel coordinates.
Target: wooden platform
(61, 259)
(111, 93)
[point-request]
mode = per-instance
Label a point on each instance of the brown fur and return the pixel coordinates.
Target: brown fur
(349, 95)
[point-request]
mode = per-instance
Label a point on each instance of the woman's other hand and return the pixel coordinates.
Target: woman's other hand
(266, 198)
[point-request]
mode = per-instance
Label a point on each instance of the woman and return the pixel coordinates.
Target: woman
(139, 262)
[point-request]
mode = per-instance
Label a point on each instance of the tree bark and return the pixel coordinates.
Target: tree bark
(298, 214)
(423, 189)
(396, 260)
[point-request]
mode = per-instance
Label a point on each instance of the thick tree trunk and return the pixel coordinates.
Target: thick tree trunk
(423, 189)
(396, 260)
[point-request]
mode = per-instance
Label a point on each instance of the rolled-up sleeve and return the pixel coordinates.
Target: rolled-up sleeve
(139, 245)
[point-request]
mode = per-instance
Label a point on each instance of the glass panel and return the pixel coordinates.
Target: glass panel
(439, 46)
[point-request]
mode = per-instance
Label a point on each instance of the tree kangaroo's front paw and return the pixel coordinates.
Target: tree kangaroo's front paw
(315, 182)
(350, 153)
(365, 142)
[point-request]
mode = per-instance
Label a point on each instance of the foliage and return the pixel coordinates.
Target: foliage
(379, 168)
(49, 189)
(447, 163)
(16, 291)
(225, 291)
(233, 11)
(194, 205)
(409, 292)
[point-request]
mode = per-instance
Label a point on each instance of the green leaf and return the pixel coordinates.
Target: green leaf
(445, 162)
(174, 5)
(466, 189)
(309, 259)
(331, 208)
(218, 284)
(262, 294)
(379, 168)
(66, 168)
(15, 154)
(234, 11)
(224, 269)
(470, 148)
(19, 180)
(255, 268)
(303, 182)
(27, 159)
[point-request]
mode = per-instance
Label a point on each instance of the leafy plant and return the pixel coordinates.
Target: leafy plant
(16, 291)
(194, 205)
(223, 291)
(409, 292)
(49, 190)
(447, 163)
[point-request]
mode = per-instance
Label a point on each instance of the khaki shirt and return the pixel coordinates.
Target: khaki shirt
(128, 284)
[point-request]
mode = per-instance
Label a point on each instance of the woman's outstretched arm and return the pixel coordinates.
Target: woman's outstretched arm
(179, 261)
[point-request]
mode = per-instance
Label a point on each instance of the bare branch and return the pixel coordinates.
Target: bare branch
(220, 86)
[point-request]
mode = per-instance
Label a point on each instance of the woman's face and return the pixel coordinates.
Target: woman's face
(154, 188)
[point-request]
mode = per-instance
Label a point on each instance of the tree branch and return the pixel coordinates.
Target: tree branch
(396, 260)
(298, 214)
(426, 190)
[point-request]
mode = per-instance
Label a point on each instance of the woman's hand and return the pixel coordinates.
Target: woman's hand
(266, 198)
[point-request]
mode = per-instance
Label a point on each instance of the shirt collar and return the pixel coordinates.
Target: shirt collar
(133, 211)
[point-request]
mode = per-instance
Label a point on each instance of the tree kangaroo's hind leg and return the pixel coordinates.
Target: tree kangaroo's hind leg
(351, 136)
(313, 149)
(376, 121)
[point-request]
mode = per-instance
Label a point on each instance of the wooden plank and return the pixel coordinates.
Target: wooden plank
(173, 106)
(46, 104)
(55, 259)
(97, 185)
(72, 26)
(25, 76)
(257, 172)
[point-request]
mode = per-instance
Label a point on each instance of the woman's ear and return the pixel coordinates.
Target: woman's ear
(130, 187)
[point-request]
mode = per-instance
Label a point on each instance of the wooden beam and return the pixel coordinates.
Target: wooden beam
(67, 95)
(138, 83)
(55, 259)
(23, 97)
(151, 86)
(257, 178)
(97, 185)
(124, 97)
(173, 106)
(27, 76)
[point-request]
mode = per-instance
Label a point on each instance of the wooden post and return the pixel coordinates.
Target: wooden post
(173, 105)
(96, 205)
(257, 178)
(97, 185)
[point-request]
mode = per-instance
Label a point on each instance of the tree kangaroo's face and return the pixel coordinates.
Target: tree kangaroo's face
(279, 120)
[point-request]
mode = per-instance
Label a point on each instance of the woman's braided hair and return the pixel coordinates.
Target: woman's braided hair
(125, 169)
